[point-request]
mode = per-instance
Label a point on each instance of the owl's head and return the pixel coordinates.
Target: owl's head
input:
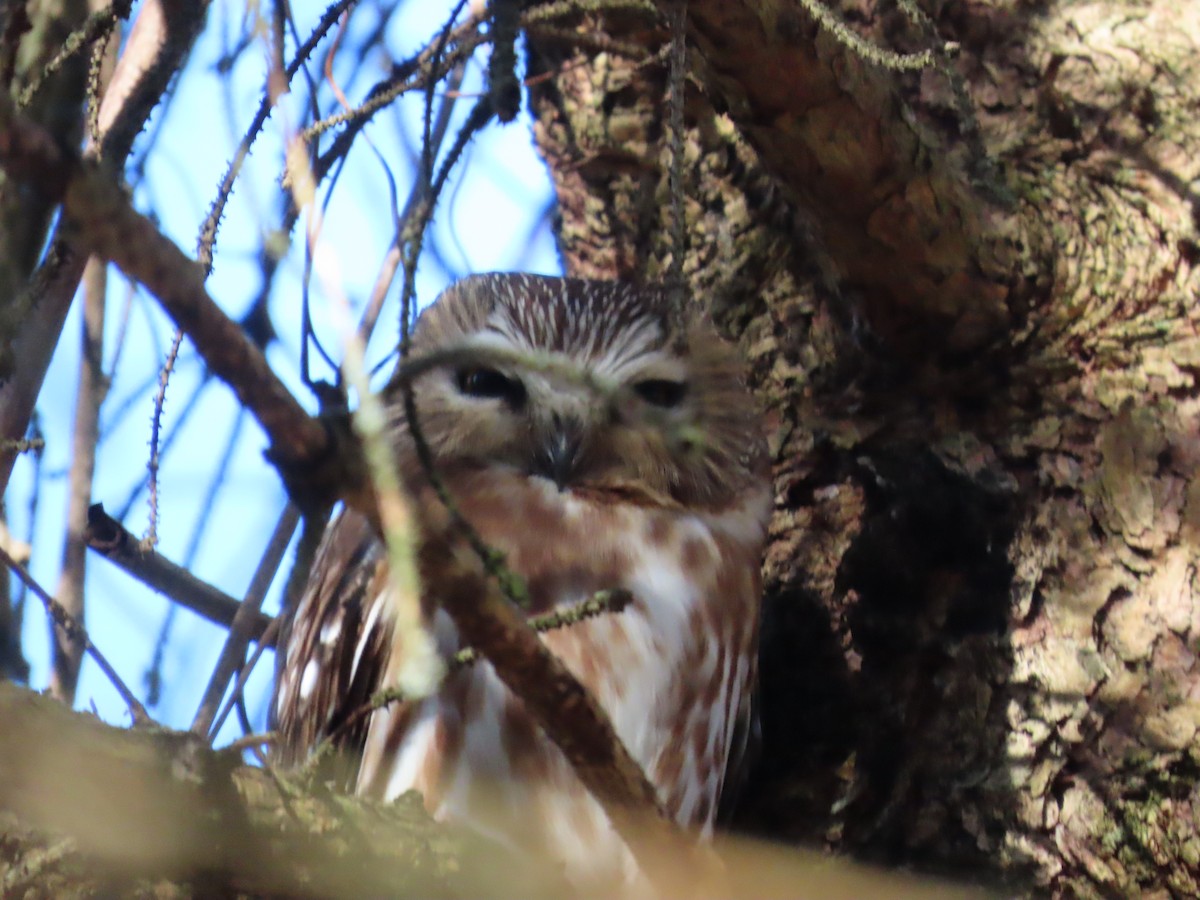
(586, 384)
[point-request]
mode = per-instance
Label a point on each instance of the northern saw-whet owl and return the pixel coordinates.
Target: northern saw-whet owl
(668, 501)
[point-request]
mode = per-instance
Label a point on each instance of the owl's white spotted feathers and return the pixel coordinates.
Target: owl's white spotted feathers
(670, 505)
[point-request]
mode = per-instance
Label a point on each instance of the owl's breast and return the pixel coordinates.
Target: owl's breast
(569, 544)
(672, 667)
(671, 670)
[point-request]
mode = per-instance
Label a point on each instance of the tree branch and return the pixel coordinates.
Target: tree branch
(564, 709)
(160, 39)
(915, 225)
(88, 809)
(109, 538)
(73, 630)
(150, 803)
(245, 622)
(91, 390)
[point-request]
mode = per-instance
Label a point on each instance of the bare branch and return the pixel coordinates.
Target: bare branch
(76, 632)
(241, 630)
(160, 401)
(92, 388)
(160, 39)
(109, 538)
(268, 640)
(99, 26)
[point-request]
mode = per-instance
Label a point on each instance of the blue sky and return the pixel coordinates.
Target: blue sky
(485, 223)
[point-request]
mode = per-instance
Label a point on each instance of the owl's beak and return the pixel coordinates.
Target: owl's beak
(558, 455)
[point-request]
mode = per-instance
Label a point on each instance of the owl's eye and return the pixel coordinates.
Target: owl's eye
(492, 385)
(661, 392)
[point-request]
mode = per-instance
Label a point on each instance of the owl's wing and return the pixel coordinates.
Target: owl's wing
(336, 647)
(744, 752)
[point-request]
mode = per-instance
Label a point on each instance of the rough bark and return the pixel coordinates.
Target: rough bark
(979, 648)
(90, 810)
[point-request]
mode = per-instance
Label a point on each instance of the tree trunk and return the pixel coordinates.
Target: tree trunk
(979, 644)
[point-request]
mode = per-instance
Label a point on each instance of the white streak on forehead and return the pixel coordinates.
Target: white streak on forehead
(587, 333)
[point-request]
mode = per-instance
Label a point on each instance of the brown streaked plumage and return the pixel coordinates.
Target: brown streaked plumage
(608, 442)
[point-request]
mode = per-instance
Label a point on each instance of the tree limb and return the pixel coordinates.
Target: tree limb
(915, 225)
(87, 809)
(152, 804)
(109, 538)
(67, 654)
(160, 39)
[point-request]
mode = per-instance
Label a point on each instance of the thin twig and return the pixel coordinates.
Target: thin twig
(240, 630)
(178, 425)
(27, 445)
(68, 654)
(200, 527)
(856, 43)
(160, 400)
(248, 741)
(544, 12)
(599, 604)
(269, 638)
(96, 27)
(76, 632)
(463, 42)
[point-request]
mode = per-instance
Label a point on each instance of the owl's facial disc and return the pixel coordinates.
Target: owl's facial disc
(559, 423)
(679, 425)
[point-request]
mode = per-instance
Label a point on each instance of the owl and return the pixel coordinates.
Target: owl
(663, 495)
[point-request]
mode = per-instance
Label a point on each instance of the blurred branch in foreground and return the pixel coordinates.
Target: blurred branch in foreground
(90, 807)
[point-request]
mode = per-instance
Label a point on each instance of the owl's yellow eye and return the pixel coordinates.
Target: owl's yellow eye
(661, 392)
(491, 385)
